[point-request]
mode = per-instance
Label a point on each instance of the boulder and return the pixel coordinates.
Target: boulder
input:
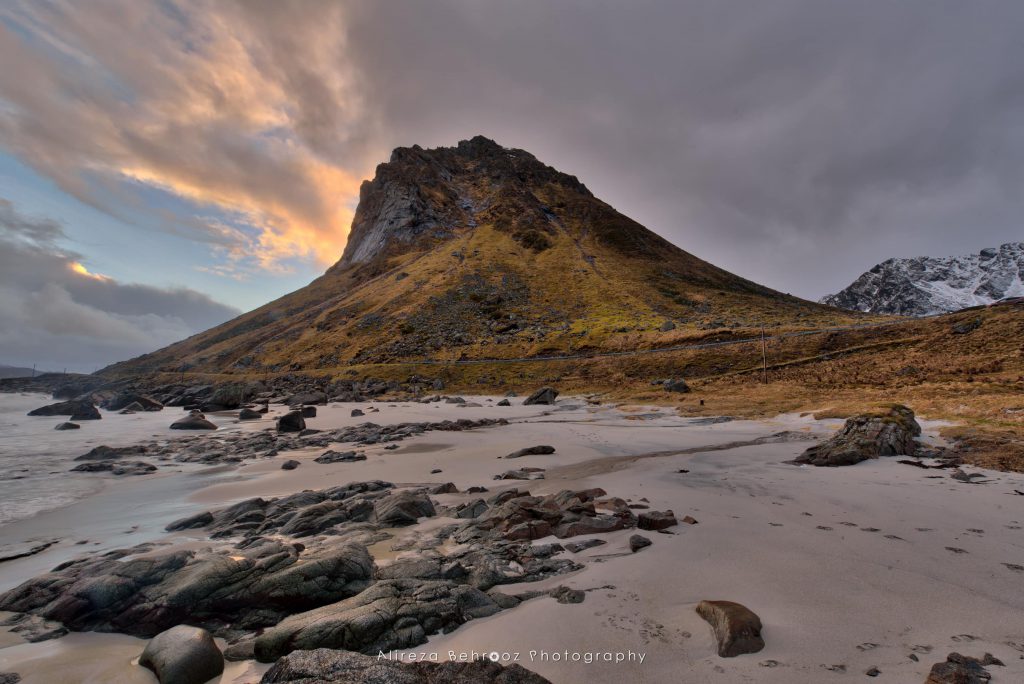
(890, 432)
(133, 407)
(329, 665)
(504, 402)
(677, 385)
(183, 655)
(15, 678)
(960, 669)
(72, 407)
(291, 422)
(340, 457)
(356, 413)
(107, 453)
(392, 614)
(637, 542)
(530, 451)
(290, 464)
(249, 414)
(402, 508)
(86, 412)
(308, 411)
(194, 421)
(314, 397)
(656, 520)
(116, 467)
(67, 425)
(545, 395)
(737, 629)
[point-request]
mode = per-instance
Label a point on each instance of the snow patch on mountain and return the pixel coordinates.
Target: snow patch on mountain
(923, 286)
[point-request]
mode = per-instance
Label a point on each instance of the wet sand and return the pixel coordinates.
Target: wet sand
(848, 568)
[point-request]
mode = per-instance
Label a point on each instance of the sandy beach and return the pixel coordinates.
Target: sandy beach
(877, 565)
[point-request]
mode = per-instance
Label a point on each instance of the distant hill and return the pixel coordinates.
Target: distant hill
(923, 286)
(482, 252)
(15, 372)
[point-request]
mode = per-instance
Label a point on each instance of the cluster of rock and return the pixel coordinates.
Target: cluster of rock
(892, 432)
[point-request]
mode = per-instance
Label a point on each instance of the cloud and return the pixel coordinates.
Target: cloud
(795, 141)
(58, 314)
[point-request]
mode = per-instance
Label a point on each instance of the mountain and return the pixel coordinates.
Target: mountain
(923, 286)
(16, 372)
(482, 252)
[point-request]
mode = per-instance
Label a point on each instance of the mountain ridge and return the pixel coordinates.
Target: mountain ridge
(922, 286)
(481, 251)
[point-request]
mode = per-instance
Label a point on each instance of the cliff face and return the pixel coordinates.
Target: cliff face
(923, 286)
(478, 251)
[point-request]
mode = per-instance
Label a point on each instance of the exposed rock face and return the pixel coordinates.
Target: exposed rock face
(892, 432)
(392, 614)
(736, 627)
(329, 665)
(928, 285)
(545, 395)
(183, 655)
(959, 669)
(141, 593)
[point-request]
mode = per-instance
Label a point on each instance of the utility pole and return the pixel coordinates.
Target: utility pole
(33, 370)
(764, 357)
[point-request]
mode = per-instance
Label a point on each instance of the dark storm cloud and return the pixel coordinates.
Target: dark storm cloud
(57, 314)
(796, 142)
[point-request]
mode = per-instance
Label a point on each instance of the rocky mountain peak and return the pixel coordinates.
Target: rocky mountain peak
(423, 196)
(922, 286)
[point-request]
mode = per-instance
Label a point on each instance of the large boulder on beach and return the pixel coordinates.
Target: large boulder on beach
(889, 432)
(329, 665)
(183, 655)
(656, 520)
(737, 628)
(541, 449)
(193, 421)
(291, 422)
(73, 407)
(392, 614)
(249, 414)
(545, 395)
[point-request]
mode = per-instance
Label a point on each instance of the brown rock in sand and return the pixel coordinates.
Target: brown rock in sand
(736, 627)
(959, 669)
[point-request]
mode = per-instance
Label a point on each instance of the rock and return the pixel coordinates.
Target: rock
(328, 665)
(193, 422)
(134, 402)
(116, 467)
(656, 520)
(67, 426)
(75, 407)
(892, 432)
(106, 453)
(402, 508)
(290, 464)
(356, 413)
(504, 402)
(521, 474)
(249, 414)
(435, 471)
(872, 672)
(438, 385)
(14, 678)
(340, 457)
(183, 655)
(966, 327)
(303, 398)
(959, 669)
(308, 411)
(736, 627)
(637, 542)
(133, 407)
(392, 614)
(667, 326)
(576, 547)
(291, 422)
(677, 385)
(530, 451)
(564, 594)
(545, 395)
(191, 522)
(689, 520)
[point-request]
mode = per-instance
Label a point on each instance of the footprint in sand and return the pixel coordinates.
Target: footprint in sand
(849, 524)
(894, 537)
(964, 637)
(775, 524)
(867, 646)
(925, 529)
(975, 530)
(870, 529)
(955, 549)
(921, 649)
(835, 668)
(1014, 567)
(824, 527)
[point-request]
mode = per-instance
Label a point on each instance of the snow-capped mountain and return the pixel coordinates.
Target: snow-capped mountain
(929, 285)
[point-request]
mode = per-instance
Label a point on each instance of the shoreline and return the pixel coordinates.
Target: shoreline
(772, 536)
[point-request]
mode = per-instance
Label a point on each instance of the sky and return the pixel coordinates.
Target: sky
(166, 164)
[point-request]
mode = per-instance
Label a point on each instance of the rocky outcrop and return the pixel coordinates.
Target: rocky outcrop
(329, 665)
(891, 432)
(183, 655)
(144, 592)
(392, 614)
(545, 395)
(737, 629)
